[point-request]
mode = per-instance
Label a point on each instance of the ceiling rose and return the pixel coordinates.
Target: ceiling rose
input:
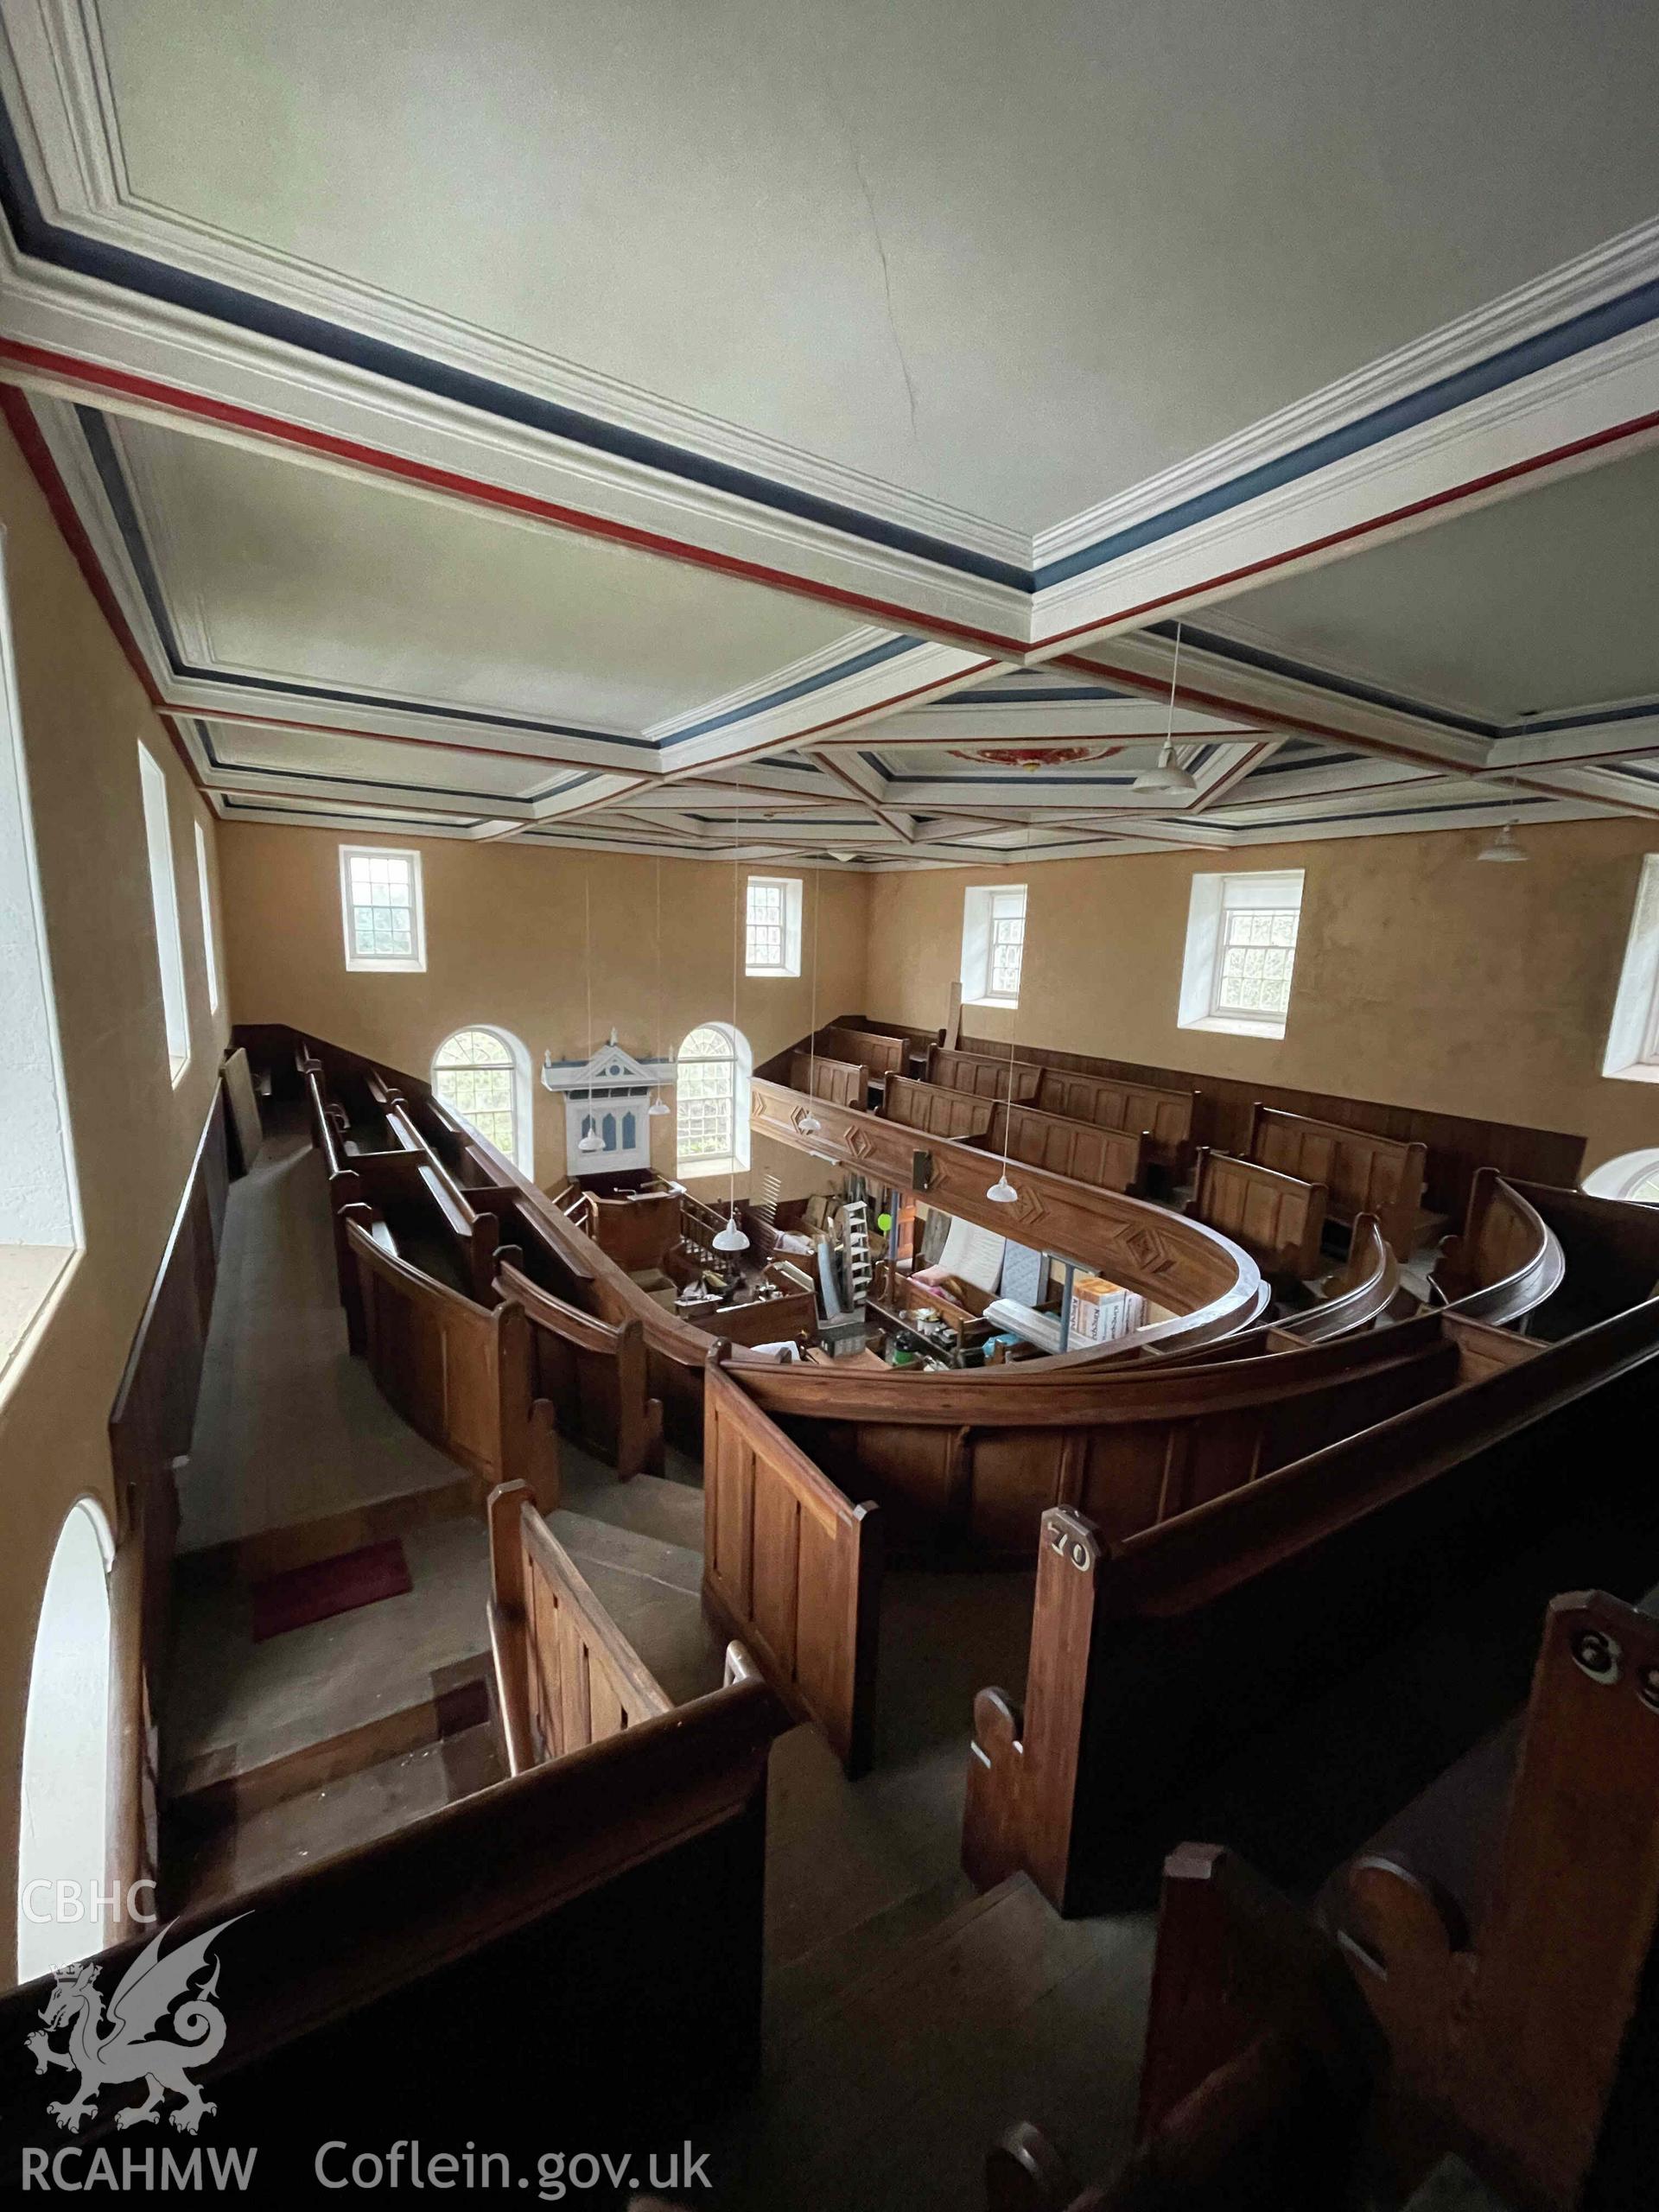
(1032, 756)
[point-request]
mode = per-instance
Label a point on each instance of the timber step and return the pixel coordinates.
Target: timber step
(892, 2092)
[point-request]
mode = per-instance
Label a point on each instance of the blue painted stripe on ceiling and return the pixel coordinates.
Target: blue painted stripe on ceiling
(873, 657)
(1612, 319)
(1277, 664)
(365, 821)
(1025, 696)
(157, 280)
(358, 783)
(1636, 710)
(1503, 802)
(117, 491)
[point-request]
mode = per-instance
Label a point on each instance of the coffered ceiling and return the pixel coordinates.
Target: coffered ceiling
(799, 434)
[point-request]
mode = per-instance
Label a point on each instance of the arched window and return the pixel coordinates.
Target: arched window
(483, 1075)
(1633, 1175)
(711, 1076)
(63, 1835)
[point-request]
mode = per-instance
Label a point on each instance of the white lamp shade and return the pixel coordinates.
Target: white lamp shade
(731, 1238)
(1002, 1192)
(590, 1139)
(659, 1110)
(1503, 846)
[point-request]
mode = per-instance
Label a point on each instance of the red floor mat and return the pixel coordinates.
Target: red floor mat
(304, 1594)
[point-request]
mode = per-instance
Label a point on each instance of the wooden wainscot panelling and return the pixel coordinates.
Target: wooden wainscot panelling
(1360, 1173)
(1110, 1160)
(1279, 1219)
(150, 1426)
(791, 1567)
(1199, 1627)
(1457, 1145)
(983, 1076)
(935, 1111)
(590, 1376)
(1166, 1116)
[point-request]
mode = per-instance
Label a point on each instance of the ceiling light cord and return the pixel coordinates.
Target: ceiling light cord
(810, 1122)
(1002, 1192)
(731, 1238)
(1167, 774)
(658, 1110)
(590, 1139)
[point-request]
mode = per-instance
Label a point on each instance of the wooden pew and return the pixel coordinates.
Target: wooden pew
(882, 1055)
(1507, 1262)
(935, 1111)
(791, 1567)
(1362, 1174)
(459, 1375)
(638, 1229)
(1110, 1160)
(588, 1375)
(565, 1675)
(346, 1188)
(1279, 1219)
(983, 1076)
(1166, 1116)
(845, 1083)
(593, 1922)
(1476, 1980)
(1610, 1247)
(1153, 1653)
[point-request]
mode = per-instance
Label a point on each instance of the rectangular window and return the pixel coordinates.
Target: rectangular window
(1632, 1051)
(164, 899)
(209, 950)
(993, 944)
(1240, 952)
(772, 926)
(380, 893)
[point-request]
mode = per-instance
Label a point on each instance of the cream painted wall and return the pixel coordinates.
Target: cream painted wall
(135, 1133)
(1421, 978)
(505, 929)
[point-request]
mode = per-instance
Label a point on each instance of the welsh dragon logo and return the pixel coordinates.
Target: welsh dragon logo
(123, 2046)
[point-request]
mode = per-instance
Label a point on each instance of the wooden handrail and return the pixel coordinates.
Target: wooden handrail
(1506, 1261)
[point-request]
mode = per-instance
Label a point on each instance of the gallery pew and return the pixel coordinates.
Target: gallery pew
(1475, 1980)
(592, 1923)
(1152, 1654)
(589, 1376)
(1278, 1218)
(1610, 1247)
(1506, 1261)
(1110, 1160)
(792, 1568)
(1167, 1116)
(346, 1188)
(882, 1055)
(846, 1082)
(1457, 1145)
(1131, 1444)
(458, 1373)
(983, 1075)
(936, 1112)
(565, 1675)
(1360, 1173)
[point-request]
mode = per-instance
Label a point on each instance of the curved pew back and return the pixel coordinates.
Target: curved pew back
(1507, 1261)
(591, 1378)
(1151, 1655)
(458, 1374)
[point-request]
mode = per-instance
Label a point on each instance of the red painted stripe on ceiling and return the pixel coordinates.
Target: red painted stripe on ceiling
(174, 400)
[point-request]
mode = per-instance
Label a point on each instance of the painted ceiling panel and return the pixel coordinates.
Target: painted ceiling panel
(303, 575)
(1011, 258)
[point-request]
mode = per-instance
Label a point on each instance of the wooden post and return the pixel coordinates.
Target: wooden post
(505, 1510)
(1023, 1769)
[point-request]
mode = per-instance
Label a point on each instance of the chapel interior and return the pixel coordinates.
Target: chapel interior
(829, 1166)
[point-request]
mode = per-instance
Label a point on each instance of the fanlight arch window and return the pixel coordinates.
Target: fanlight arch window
(1633, 1175)
(483, 1075)
(64, 1831)
(711, 1076)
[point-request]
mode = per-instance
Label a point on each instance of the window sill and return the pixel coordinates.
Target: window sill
(1227, 1025)
(1002, 1005)
(33, 1278)
(706, 1169)
(180, 1069)
(385, 967)
(773, 975)
(1637, 1072)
